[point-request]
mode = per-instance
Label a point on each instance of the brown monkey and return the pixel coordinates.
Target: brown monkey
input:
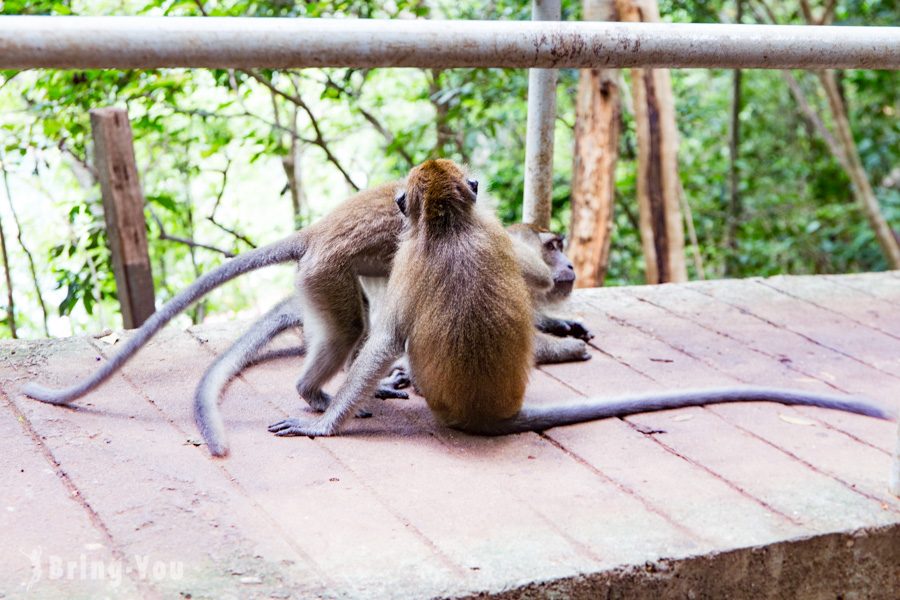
(358, 238)
(550, 278)
(457, 302)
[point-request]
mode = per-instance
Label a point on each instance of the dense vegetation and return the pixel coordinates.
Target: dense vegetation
(215, 149)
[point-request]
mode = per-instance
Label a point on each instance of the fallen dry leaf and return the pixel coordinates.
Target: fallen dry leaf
(795, 420)
(110, 339)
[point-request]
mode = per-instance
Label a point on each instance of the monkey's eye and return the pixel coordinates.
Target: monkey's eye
(400, 199)
(473, 185)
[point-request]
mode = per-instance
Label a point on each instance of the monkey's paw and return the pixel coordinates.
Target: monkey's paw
(295, 427)
(390, 386)
(569, 350)
(388, 391)
(566, 328)
(579, 331)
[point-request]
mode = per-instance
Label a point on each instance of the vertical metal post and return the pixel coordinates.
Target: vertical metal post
(539, 136)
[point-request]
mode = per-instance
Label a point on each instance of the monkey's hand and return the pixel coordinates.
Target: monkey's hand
(308, 427)
(386, 391)
(390, 386)
(565, 328)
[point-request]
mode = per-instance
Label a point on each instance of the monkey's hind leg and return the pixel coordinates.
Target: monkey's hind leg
(334, 323)
(230, 363)
(376, 356)
(549, 349)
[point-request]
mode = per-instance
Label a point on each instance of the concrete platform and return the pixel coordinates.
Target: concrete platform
(117, 498)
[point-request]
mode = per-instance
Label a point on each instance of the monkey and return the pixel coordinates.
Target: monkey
(456, 303)
(358, 238)
(549, 276)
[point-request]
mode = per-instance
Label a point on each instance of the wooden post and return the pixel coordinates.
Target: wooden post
(597, 112)
(123, 207)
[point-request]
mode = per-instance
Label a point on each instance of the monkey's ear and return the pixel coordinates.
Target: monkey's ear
(473, 185)
(547, 236)
(400, 199)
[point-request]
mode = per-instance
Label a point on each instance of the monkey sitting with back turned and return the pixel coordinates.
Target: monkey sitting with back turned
(359, 238)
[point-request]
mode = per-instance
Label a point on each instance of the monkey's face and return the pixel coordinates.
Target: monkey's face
(562, 269)
(435, 190)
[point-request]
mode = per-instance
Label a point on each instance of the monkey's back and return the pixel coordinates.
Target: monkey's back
(361, 233)
(470, 345)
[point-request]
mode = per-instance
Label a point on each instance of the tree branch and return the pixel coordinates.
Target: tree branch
(164, 236)
(813, 118)
(21, 240)
(202, 10)
(212, 215)
(10, 303)
(319, 139)
(372, 119)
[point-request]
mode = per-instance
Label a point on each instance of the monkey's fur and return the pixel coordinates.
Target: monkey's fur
(550, 278)
(359, 238)
(457, 302)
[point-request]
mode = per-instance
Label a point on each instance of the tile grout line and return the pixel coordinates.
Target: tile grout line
(76, 494)
(810, 465)
(842, 282)
(445, 560)
(669, 450)
(647, 504)
(788, 366)
(784, 451)
(809, 339)
(826, 309)
(231, 480)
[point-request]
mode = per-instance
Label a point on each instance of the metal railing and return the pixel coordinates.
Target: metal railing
(156, 42)
(238, 42)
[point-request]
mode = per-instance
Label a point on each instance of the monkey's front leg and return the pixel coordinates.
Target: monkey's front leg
(376, 356)
(563, 327)
(549, 349)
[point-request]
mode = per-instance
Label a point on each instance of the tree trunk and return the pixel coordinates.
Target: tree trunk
(735, 210)
(662, 231)
(597, 115)
(862, 189)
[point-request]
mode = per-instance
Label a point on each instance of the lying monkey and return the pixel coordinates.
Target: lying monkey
(456, 302)
(358, 238)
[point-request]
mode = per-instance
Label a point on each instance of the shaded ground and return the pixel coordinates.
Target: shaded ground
(116, 498)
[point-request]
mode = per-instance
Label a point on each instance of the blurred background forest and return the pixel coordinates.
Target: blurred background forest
(230, 159)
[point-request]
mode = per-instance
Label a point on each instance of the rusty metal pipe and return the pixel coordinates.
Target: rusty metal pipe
(236, 42)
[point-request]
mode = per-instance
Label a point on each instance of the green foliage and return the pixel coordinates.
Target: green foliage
(213, 145)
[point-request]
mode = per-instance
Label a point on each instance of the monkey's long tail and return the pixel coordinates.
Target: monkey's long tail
(286, 250)
(539, 418)
(243, 353)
